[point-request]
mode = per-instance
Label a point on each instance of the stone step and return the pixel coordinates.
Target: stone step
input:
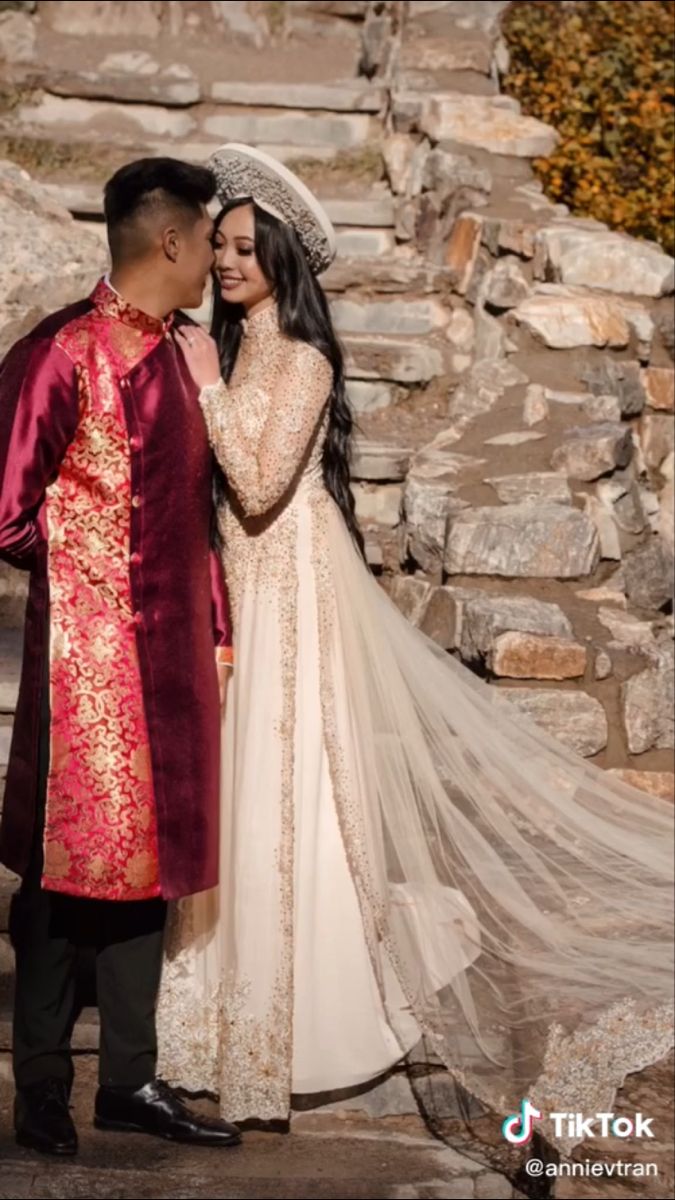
(412, 316)
(389, 274)
(379, 462)
(398, 360)
(374, 211)
(181, 88)
(6, 958)
(8, 884)
(367, 397)
(79, 118)
(168, 89)
(11, 641)
(130, 144)
(337, 130)
(5, 739)
(363, 214)
(198, 151)
(352, 95)
(365, 243)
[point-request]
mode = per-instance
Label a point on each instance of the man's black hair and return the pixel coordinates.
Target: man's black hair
(148, 188)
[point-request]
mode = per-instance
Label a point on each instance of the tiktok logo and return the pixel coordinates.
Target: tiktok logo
(518, 1128)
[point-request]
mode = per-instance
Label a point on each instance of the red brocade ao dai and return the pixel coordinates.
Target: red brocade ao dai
(106, 497)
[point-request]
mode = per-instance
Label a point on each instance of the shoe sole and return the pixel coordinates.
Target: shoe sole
(107, 1126)
(29, 1143)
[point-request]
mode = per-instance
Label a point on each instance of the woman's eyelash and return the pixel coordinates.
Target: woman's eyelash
(243, 251)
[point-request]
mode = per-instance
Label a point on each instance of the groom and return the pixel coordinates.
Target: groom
(111, 804)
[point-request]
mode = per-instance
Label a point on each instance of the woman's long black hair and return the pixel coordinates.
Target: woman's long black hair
(304, 316)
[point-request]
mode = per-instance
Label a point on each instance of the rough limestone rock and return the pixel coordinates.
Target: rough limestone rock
(378, 505)
(436, 472)
(529, 488)
(564, 318)
(481, 122)
(535, 406)
(389, 317)
(440, 461)
(624, 380)
(656, 433)
(447, 173)
(84, 18)
(602, 515)
(648, 572)
(587, 453)
(18, 37)
(46, 259)
(576, 719)
(667, 517)
(480, 389)
(648, 700)
(482, 618)
(602, 408)
(365, 396)
(426, 507)
(659, 385)
(602, 665)
(531, 656)
(626, 628)
(461, 330)
(602, 259)
(515, 437)
(388, 358)
(379, 461)
(173, 87)
(462, 250)
(94, 118)
(13, 596)
(622, 495)
(398, 153)
(522, 540)
(505, 286)
(513, 235)
(421, 55)
(431, 609)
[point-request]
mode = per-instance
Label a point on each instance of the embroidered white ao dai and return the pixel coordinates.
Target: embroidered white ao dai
(402, 852)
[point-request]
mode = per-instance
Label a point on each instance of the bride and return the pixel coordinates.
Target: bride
(403, 856)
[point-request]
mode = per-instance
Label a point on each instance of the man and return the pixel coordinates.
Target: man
(111, 804)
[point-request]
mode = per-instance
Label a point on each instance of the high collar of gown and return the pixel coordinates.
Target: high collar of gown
(262, 325)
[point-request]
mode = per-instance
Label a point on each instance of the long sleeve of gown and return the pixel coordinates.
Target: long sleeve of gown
(261, 467)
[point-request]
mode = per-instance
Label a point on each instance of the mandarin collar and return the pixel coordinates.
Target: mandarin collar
(111, 304)
(262, 323)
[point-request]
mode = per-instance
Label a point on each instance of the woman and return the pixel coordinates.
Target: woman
(402, 855)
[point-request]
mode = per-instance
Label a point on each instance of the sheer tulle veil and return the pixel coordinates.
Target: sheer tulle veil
(522, 897)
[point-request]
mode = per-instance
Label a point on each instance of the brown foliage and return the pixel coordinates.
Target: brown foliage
(602, 74)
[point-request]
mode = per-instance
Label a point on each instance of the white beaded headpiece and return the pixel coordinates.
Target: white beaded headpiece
(242, 171)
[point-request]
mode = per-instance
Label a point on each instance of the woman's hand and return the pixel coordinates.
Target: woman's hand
(200, 353)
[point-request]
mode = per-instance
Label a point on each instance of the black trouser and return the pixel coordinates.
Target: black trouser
(48, 932)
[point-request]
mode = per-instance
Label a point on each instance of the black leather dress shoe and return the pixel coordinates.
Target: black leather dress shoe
(157, 1109)
(42, 1119)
